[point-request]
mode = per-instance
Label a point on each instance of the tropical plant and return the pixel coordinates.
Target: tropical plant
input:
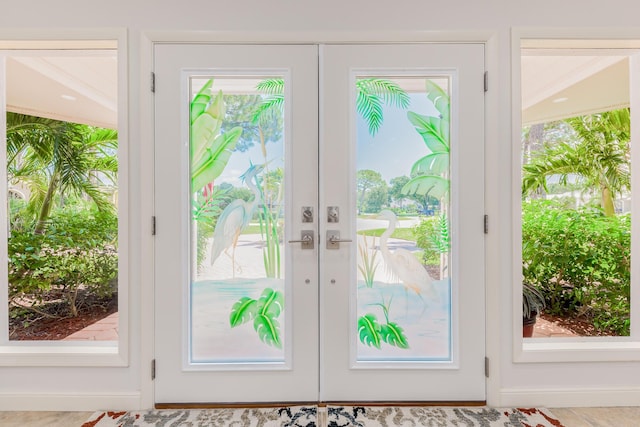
(581, 262)
(264, 312)
(367, 264)
(272, 188)
(210, 149)
(373, 334)
(430, 174)
(600, 158)
(57, 158)
(532, 301)
(372, 94)
(78, 252)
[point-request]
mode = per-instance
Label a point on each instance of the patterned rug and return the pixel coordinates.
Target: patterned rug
(333, 416)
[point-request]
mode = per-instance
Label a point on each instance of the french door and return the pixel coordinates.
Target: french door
(319, 223)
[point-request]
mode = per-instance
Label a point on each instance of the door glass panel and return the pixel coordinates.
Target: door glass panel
(402, 179)
(237, 219)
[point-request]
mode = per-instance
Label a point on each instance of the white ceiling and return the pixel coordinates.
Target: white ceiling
(72, 85)
(557, 85)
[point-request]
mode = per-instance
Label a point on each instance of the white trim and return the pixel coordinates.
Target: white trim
(494, 156)
(317, 37)
(142, 256)
(70, 401)
(570, 397)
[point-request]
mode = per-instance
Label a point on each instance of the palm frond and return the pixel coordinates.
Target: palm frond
(372, 93)
(274, 86)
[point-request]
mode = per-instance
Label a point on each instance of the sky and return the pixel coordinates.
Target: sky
(392, 151)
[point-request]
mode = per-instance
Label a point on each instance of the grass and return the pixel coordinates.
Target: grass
(399, 233)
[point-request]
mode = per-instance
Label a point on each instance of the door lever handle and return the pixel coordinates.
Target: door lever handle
(334, 240)
(306, 238)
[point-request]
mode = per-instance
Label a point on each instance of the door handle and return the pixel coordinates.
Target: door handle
(334, 240)
(306, 239)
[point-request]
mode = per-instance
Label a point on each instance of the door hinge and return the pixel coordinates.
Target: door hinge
(486, 81)
(153, 225)
(486, 224)
(153, 369)
(486, 367)
(153, 82)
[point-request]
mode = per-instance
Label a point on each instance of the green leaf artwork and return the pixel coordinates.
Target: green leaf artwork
(243, 311)
(373, 334)
(264, 313)
(210, 149)
(429, 175)
(369, 330)
(268, 330)
(394, 335)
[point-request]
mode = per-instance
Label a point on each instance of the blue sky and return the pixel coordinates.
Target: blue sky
(391, 152)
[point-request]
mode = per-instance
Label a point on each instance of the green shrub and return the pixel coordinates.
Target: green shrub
(580, 261)
(432, 235)
(78, 251)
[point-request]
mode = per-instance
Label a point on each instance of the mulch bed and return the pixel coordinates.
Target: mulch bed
(579, 326)
(32, 326)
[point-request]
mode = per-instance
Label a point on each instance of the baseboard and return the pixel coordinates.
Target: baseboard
(570, 397)
(69, 401)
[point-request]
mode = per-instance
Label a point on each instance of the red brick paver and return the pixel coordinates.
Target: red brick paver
(103, 330)
(546, 329)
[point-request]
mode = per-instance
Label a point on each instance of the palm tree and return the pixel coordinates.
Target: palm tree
(600, 158)
(60, 158)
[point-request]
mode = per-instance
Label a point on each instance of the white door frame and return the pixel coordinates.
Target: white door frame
(492, 157)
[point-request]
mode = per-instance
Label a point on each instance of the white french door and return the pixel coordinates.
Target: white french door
(319, 223)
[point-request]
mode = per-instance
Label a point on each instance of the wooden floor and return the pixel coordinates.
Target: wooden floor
(570, 417)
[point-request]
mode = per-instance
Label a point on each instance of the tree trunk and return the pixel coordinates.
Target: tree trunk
(607, 202)
(45, 210)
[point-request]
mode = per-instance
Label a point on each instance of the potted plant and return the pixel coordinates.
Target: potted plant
(532, 304)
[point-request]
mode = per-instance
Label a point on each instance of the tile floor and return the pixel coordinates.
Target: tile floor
(570, 417)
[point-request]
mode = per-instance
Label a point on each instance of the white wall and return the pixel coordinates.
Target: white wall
(550, 384)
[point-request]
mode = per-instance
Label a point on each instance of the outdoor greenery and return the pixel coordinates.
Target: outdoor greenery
(63, 226)
(580, 261)
(432, 236)
(578, 257)
(77, 252)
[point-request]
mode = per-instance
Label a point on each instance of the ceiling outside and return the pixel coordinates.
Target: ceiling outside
(78, 86)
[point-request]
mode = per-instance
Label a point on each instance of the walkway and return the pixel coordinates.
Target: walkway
(103, 330)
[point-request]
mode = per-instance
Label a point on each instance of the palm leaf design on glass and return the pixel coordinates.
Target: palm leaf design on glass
(372, 94)
(373, 334)
(430, 174)
(264, 312)
(210, 149)
(440, 241)
(269, 215)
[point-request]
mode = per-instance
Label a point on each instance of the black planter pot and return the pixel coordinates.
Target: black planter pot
(528, 324)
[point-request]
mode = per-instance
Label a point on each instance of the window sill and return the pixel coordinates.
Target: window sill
(554, 350)
(57, 354)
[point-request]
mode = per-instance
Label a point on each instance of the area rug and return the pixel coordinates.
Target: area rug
(332, 416)
(293, 416)
(388, 416)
